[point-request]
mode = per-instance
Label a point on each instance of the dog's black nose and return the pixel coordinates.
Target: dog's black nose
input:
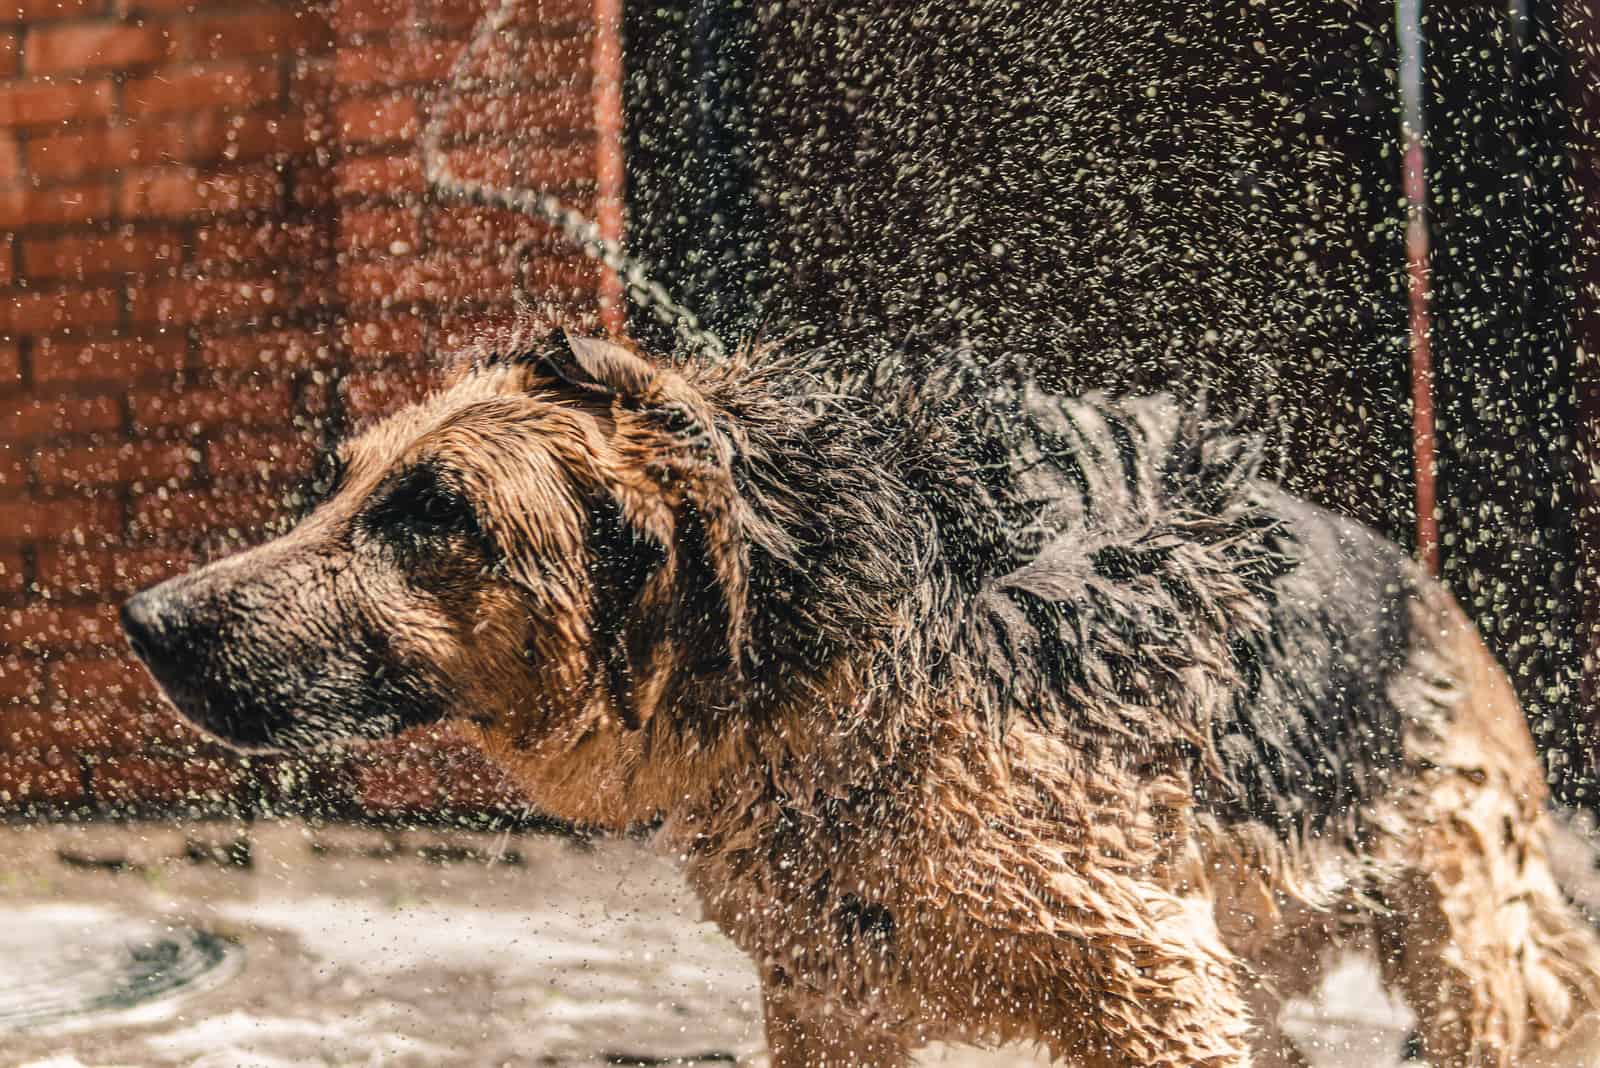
(141, 621)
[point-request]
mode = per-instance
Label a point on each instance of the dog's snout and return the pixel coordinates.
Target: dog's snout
(146, 622)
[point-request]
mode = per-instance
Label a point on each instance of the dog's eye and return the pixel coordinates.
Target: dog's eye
(423, 504)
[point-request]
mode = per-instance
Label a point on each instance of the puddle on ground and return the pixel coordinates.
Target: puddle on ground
(65, 963)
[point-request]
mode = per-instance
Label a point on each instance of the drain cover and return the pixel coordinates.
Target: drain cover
(60, 962)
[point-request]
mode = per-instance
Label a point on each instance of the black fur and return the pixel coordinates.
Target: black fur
(1120, 568)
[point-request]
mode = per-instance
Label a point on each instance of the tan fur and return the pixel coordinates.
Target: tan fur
(1041, 895)
(1008, 884)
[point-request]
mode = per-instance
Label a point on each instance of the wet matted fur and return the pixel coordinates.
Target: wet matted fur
(975, 712)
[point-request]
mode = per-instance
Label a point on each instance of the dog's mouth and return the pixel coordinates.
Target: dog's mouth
(249, 724)
(283, 703)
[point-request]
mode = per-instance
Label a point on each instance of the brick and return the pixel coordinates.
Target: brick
(29, 518)
(49, 628)
(472, 323)
(561, 277)
(38, 311)
(15, 474)
(155, 462)
(406, 784)
(123, 712)
(43, 10)
(9, 54)
(380, 283)
(271, 457)
(21, 681)
(43, 102)
(277, 351)
(314, 191)
(24, 207)
(379, 120)
(211, 300)
(10, 158)
(550, 18)
(443, 275)
(81, 46)
(358, 16)
(412, 280)
(232, 247)
(29, 780)
(186, 516)
(461, 15)
(8, 259)
(94, 703)
(69, 572)
(235, 137)
(77, 154)
(240, 84)
(391, 64)
(13, 577)
(376, 340)
(161, 781)
(250, 404)
(120, 361)
(430, 769)
(378, 176)
(479, 230)
(10, 365)
(36, 417)
(38, 729)
(311, 83)
(542, 62)
(85, 255)
(568, 165)
(252, 33)
(178, 192)
(385, 232)
(519, 113)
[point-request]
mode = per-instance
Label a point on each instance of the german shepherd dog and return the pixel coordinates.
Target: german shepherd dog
(975, 713)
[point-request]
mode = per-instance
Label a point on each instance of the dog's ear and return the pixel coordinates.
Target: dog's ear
(602, 367)
(668, 605)
(669, 592)
(596, 365)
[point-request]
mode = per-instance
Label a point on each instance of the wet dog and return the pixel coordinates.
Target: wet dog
(975, 712)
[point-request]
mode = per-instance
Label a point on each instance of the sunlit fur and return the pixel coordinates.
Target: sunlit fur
(973, 713)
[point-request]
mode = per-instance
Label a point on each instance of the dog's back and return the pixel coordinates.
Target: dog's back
(1141, 541)
(1351, 745)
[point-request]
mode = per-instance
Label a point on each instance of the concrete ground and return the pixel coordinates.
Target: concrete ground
(361, 947)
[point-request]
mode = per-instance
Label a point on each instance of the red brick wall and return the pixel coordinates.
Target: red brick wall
(216, 256)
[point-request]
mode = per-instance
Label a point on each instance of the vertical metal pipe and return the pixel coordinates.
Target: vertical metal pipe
(608, 72)
(1408, 32)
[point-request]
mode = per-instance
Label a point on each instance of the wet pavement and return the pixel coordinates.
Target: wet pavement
(347, 946)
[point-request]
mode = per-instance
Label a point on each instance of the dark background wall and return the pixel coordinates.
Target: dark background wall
(1143, 194)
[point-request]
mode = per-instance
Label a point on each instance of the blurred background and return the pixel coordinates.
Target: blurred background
(218, 255)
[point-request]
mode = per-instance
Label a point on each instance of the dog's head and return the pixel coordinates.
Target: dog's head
(549, 547)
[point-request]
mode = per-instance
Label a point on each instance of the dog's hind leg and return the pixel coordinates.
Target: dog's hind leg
(1494, 962)
(1499, 968)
